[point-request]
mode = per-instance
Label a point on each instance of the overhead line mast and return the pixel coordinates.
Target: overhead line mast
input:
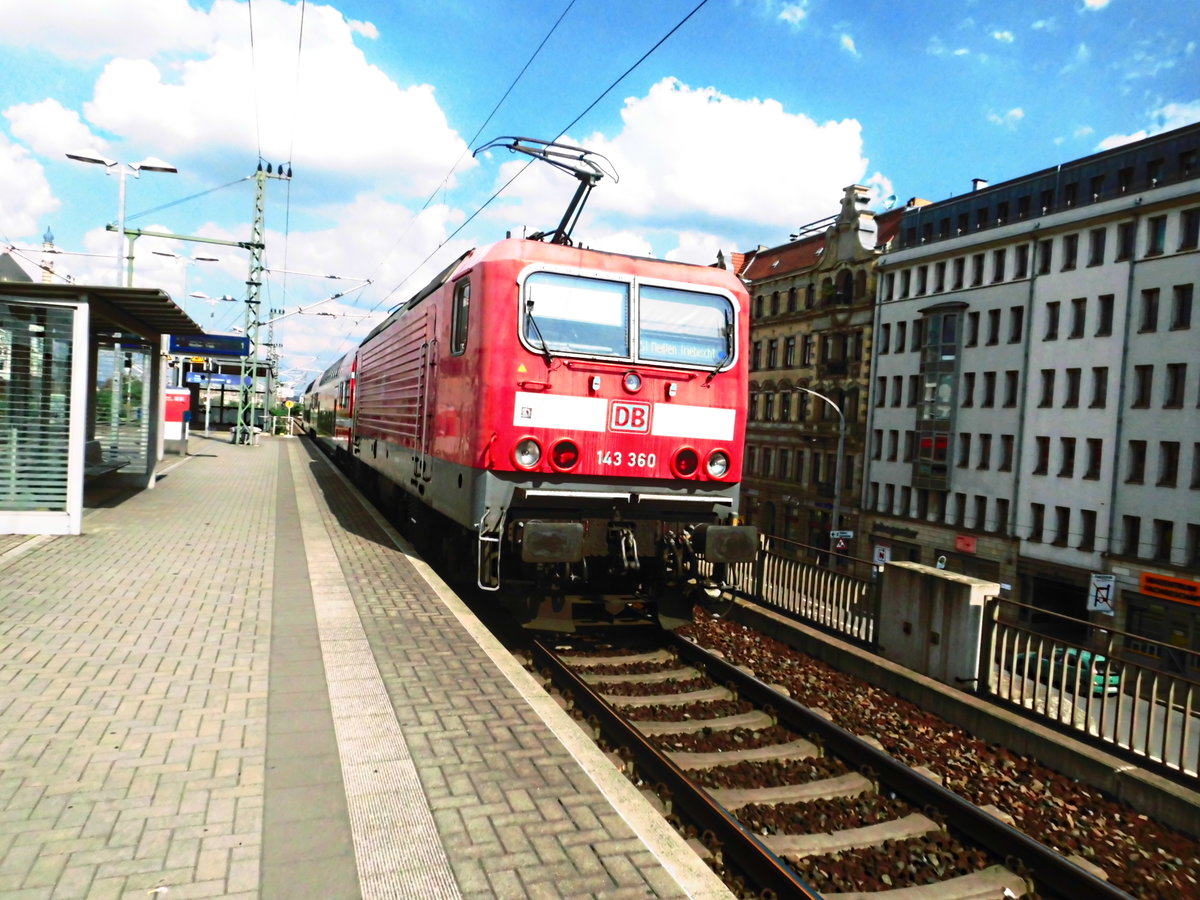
(244, 429)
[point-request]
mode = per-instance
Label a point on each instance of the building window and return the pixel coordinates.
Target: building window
(1131, 527)
(1195, 466)
(939, 278)
(1001, 515)
(1016, 324)
(789, 353)
(1073, 379)
(1021, 262)
(773, 353)
(1168, 463)
(1062, 525)
(806, 350)
(1045, 253)
(1047, 389)
(1096, 246)
(1099, 387)
(756, 356)
(775, 303)
(960, 510)
(1070, 251)
(901, 331)
(769, 407)
(959, 267)
(910, 444)
(1042, 465)
(1104, 326)
(985, 451)
(785, 406)
(1137, 462)
(1051, 321)
(1087, 529)
(768, 461)
(1156, 235)
(885, 338)
(791, 305)
(1010, 388)
(1124, 241)
(1078, 317)
(993, 336)
(998, 265)
(1189, 229)
(1143, 382)
(1095, 458)
(893, 445)
(972, 329)
(1067, 449)
(964, 450)
(877, 444)
(968, 389)
(1164, 536)
(905, 281)
(1191, 557)
(989, 389)
(1037, 521)
(981, 505)
(880, 390)
(897, 390)
(976, 270)
(922, 280)
(914, 390)
(1149, 308)
(1181, 307)
(1175, 386)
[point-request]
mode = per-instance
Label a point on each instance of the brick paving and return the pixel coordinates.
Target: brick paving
(235, 685)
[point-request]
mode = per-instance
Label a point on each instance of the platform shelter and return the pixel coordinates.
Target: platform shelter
(81, 395)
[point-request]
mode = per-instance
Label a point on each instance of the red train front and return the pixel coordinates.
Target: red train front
(565, 424)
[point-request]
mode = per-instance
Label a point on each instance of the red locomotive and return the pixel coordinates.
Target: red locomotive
(565, 424)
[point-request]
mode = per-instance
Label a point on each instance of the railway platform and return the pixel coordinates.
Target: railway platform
(242, 683)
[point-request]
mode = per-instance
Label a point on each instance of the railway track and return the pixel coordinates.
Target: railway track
(786, 803)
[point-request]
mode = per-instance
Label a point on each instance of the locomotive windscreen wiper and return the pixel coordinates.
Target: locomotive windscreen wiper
(727, 334)
(533, 322)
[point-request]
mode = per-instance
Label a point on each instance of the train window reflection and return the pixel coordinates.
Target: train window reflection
(685, 327)
(569, 314)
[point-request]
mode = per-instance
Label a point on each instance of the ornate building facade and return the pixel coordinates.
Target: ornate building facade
(812, 310)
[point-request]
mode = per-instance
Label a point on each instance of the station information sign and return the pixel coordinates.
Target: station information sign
(211, 344)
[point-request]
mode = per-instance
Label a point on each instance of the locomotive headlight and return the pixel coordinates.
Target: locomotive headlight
(632, 382)
(718, 464)
(685, 463)
(527, 453)
(564, 455)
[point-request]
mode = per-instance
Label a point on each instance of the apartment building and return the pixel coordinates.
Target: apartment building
(812, 309)
(1034, 412)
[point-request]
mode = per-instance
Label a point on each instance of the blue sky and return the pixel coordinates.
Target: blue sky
(744, 124)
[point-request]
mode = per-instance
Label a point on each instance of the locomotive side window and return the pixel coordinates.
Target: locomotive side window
(458, 324)
(574, 315)
(684, 327)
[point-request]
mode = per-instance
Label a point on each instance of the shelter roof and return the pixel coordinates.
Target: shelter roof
(143, 311)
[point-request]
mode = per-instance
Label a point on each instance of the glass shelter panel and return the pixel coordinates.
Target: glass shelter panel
(35, 414)
(122, 394)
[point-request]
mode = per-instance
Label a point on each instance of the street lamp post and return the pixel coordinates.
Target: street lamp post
(149, 164)
(187, 262)
(836, 514)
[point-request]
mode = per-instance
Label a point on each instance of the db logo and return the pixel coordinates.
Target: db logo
(626, 416)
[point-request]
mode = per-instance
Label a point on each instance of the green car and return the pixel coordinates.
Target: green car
(1068, 666)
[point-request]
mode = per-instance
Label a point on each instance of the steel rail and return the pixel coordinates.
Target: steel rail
(1050, 870)
(741, 849)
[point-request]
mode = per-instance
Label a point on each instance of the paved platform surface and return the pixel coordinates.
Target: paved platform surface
(241, 683)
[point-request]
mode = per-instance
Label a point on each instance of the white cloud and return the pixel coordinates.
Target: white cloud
(690, 155)
(1004, 37)
(25, 195)
(1166, 118)
(1095, 4)
(346, 126)
(95, 29)
(794, 13)
(51, 129)
(937, 47)
(1050, 24)
(1009, 119)
(847, 43)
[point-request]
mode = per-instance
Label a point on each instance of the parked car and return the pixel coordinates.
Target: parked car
(1070, 666)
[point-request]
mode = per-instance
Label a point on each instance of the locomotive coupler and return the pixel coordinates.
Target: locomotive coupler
(622, 547)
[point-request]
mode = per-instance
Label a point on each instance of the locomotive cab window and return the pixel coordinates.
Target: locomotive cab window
(573, 315)
(459, 317)
(685, 327)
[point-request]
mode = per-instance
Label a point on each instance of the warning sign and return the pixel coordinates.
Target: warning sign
(1101, 597)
